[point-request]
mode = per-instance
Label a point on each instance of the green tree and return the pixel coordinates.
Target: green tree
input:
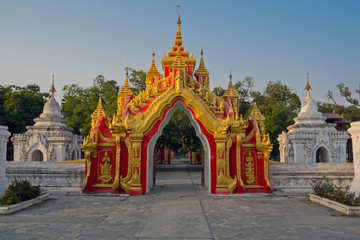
(346, 93)
(179, 135)
(244, 88)
(79, 103)
(20, 105)
(351, 113)
(18, 108)
(219, 91)
(138, 80)
(279, 104)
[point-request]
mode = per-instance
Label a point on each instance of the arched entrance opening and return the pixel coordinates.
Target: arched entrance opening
(322, 155)
(37, 156)
(179, 105)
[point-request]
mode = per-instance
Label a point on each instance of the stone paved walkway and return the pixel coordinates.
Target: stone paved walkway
(178, 209)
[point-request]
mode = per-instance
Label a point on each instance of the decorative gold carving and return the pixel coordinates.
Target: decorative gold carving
(123, 181)
(221, 163)
(248, 137)
(89, 147)
(88, 166)
(105, 169)
(117, 162)
(178, 83)
(250, 145)
(135, 180)
(137, 162)
(238, 159)
(221, 180)
(102, 185)
(224, 181)
(249, 169)
(220, 148)
(263, 144)
(253, 186)
(106, 145)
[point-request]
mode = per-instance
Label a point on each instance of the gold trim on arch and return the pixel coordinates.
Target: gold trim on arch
(105, 138)
(248, 137)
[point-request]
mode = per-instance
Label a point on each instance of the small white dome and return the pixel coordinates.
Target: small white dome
(52, 108)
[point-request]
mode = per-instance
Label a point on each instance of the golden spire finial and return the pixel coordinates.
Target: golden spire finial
(99, 106)
(178, 12)
(307, 87)
(125, 90)
(202, 64)
(230, 91)
(178, 38)
(52, 88)
(127, 76)
(202, 69)
(153, 71)
(230, 76)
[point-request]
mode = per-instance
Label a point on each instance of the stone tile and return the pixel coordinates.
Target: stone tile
(177, 208)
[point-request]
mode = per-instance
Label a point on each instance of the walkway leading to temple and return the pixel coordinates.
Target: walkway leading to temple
(176, 209)
(177, 212)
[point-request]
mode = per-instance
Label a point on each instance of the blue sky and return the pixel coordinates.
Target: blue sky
(269, 40)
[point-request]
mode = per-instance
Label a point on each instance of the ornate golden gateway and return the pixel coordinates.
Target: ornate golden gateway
(125, 166)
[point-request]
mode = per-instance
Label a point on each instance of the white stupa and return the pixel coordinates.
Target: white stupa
(311, 139)
(49, 139)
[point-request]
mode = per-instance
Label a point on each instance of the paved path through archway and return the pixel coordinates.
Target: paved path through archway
(177, 212)
(178, 209)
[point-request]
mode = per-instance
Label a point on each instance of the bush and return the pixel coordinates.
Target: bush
(19, 191)
(324, 188)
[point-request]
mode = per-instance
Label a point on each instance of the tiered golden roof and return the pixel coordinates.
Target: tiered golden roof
(230, 92)
(202, 70)
(153, 71)
(99, 111)
(178, 38)
(125, 90)
(179, 62)
(256, 114)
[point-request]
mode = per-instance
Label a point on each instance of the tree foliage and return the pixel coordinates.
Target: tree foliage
(179, 135)
(219, 91)
(244, 88)
(279, 104)
(346, 93)
(20, 105)
(79, 103)
(351, 113)
(138, 80)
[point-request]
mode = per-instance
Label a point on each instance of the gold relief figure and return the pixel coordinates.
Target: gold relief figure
(134, 106)
(249, 169)
(178, 84)
(143, 98)
(155, 90)
(105, 169)
(214, 102)
(192, 84)
(200, 90)
(207, 97)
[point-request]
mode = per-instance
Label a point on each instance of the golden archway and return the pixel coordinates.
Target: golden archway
(116, 149)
